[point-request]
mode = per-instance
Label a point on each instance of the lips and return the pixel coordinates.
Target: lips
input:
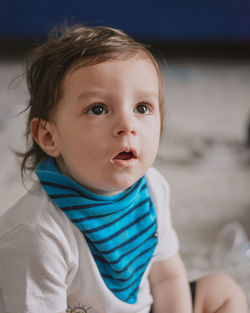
(125, 157)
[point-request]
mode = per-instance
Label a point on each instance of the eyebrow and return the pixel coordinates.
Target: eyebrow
(91, 93)
(87, 94)
(148, 94)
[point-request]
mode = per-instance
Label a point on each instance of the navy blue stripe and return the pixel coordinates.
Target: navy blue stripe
(128, 278)
(58, 196)
(88, 231)
(77, 191)
(125, 242)
(122, 229)
(131, 294)
(82, 207)
(123, 255)
(92, 217)
(80, 194)
(127, 287)
(134, 259)
(62, 196)
(132, 190)
(47, 183)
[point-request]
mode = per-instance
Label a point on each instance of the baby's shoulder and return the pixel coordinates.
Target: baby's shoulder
(35, 210)
(158, 187)
(34, 220)
(156, 181)
(26, 210)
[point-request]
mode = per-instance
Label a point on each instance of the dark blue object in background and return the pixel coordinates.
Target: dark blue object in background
(162, 20)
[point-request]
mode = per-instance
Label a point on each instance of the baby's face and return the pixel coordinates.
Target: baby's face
(106, 127)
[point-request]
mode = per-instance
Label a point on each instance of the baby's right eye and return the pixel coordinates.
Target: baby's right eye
(97, 109)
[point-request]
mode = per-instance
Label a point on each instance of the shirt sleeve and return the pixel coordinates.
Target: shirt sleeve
(33, 271)
(168, 243)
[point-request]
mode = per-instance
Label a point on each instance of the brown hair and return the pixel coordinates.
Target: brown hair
(68, 48)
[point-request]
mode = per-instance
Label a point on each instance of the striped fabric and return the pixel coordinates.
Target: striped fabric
(120, 230)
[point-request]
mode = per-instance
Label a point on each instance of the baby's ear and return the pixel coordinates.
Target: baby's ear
(43, 133)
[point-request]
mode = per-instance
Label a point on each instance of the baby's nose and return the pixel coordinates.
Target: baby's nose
(125, 125)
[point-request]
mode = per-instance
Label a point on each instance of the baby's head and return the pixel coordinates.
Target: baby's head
(96, 106)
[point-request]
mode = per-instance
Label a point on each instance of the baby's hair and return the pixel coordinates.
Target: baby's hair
(68, 48)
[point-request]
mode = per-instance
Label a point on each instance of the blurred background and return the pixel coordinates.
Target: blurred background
(204, 51)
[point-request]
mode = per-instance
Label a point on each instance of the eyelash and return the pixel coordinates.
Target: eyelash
(105, 111)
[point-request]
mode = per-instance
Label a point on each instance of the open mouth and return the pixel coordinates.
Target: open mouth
(124, 156)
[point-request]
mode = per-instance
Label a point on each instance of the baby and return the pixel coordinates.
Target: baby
(94, 233)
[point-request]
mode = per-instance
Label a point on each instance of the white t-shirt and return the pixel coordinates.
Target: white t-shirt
(46, 265)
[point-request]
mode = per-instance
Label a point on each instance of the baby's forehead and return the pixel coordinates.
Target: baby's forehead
(84, 72)
(81, 74)
(117, 68)
(138, 54)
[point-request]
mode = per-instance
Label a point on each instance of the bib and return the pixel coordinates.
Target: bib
(121, 230)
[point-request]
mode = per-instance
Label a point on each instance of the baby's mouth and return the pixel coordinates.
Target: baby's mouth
(124, 155)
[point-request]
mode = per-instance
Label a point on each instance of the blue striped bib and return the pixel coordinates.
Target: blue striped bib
(121, 230)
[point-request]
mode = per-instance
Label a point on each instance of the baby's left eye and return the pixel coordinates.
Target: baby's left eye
(142, 108)
(97, 109)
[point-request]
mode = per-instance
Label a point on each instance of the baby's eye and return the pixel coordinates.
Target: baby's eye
(97, 109)
(142, 108)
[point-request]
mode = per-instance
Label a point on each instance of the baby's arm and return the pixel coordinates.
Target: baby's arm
(169, 286)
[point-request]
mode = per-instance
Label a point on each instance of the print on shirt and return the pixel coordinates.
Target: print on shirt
(79, 309)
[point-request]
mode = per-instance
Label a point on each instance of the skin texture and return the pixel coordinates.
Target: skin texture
(169, 286)
(101, 114)
(108, 109)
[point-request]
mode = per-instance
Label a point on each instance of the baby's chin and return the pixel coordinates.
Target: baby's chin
(111, 190)
(105, 183)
